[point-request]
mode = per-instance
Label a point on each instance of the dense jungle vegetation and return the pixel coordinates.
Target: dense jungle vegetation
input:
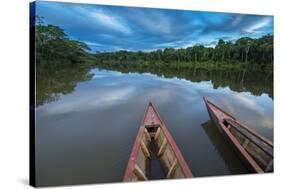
(62, 62)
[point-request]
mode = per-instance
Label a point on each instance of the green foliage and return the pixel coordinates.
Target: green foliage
(237, 64)
(61, 63)
(245, 50)
(53, 47)
(257, 79)
(53, 81)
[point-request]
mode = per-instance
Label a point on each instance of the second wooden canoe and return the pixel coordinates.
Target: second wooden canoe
(255, 150)
(155, 143)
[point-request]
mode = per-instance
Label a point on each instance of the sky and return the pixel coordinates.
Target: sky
(114, 28)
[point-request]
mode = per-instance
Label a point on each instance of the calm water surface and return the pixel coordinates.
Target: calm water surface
(86, 136)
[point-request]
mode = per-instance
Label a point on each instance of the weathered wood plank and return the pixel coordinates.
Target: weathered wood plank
(246, 142)
(139, 173)
(266, 148)
(269, 166)
(162, 147)
(145, 150)
(147, 135)
(157, 133)
(172, 169)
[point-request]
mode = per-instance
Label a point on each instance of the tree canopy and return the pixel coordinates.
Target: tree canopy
(54, 47)
(60, 62)
(244, 50)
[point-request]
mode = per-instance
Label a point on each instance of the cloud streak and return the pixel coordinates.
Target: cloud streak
(100, 17)
(111, 28)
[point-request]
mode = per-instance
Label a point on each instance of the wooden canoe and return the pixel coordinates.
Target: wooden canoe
(153, 144)
(255, 150)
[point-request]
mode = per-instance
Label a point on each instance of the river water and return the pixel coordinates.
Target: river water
(86, 135)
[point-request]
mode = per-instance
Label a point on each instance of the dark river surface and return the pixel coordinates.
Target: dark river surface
(86, 135)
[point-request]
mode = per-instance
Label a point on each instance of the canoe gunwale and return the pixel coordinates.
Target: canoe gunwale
(240, 124)
(174, 146)
(134, 152)
(265, 140)
(219, 122)
(269, 153)
(133, 156)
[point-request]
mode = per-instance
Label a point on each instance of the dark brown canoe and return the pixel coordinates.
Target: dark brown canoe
(154, 141)
(255, 150)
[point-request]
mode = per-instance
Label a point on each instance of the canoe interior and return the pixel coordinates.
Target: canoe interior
(260, 150)
(155, 154)
(253, 148)
(155, 147)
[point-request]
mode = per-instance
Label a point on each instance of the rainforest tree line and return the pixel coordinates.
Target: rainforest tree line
(54, 47)
(62, 62)
(244, 50)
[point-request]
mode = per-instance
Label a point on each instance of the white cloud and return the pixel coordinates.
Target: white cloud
(105, 19)
(93, 44)
(237, 20)
(110, 21)
(167, 44)
(257, 25)
(245, 99)
(105, 98)
(153, 22)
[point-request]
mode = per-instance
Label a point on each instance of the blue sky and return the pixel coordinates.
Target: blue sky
(113, 28)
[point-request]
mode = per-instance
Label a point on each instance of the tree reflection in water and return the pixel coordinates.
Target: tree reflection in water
(52, 81)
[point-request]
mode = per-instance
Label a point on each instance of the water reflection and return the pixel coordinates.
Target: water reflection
(94, 126)
(222, 147)
(252, 80)
(52, 82)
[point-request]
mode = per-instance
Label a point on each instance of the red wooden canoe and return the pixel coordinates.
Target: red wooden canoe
(155, 143)
(255, 150)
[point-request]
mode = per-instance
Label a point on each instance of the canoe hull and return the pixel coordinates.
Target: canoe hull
(153, 132)
(218, 116)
